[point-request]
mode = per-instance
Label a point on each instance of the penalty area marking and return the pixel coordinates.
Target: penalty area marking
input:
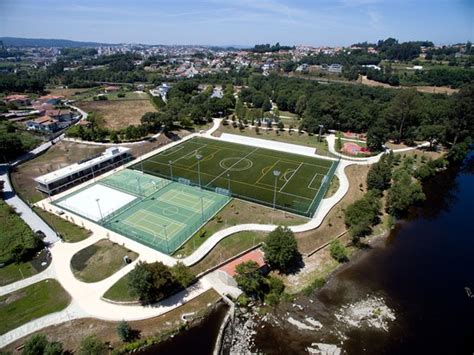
(291, 177)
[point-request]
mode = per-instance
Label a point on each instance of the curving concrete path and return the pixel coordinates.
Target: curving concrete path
(87, 297)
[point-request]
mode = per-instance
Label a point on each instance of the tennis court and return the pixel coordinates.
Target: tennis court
(291, 182)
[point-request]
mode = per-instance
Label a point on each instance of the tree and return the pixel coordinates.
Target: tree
(267, 105)
(35, 345)
(362, 214)
(404, 192)
(281, 249)
(250, 279)
(376, 137)
(338, 144)
(281, 126)
(91, 345)
(461, 125)
(124, 331)
(182, 274)
(151, 282)
(380, 175)
(338, 252)
(403, 112)
(141, 282)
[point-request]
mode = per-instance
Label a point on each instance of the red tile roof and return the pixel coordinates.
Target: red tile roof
(254, 255)
(16, 97)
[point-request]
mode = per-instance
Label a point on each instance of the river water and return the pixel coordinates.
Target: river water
(421, 272)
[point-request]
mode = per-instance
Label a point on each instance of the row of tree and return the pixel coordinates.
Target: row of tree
(403, 115)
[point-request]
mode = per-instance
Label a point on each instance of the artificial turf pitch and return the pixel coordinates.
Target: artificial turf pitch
(247, 172)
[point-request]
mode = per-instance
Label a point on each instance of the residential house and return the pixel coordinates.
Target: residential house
(18, 100)
(43, 124)
(335, 68)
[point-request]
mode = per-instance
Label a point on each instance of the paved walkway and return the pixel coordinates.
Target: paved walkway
(49, 273)
(87, 301)
(25, 212)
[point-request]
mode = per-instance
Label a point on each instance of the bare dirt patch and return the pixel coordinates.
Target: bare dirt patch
(425, 89)
(118, 114)
(58, 156)
(67, 93)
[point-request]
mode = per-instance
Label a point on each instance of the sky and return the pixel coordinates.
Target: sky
(239, 22)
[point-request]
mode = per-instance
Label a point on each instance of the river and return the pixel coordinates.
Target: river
(421, 272)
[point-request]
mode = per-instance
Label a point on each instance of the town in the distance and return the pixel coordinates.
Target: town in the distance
(189, 199)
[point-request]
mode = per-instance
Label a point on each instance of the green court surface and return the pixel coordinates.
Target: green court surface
(167, 217)
(134, 182)
(247, 172)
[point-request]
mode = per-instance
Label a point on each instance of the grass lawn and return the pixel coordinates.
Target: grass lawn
(69, 231)
(15, 272)
(119, 291)
(118, 114)
(248, 172)
(31, 302)
(227, 248)
(99, 261)
(294, 137)
(14, 233)
(238, 212)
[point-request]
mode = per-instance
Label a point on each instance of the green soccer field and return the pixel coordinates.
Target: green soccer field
(291, 182)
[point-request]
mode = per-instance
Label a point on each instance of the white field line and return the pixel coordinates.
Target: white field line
(311, 182)
(238, 161)
(291, 177)
(190, 153)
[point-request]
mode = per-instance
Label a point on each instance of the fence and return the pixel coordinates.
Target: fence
(302, 210)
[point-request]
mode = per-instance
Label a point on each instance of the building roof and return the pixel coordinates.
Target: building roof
(16, 97)
(43, 120)
(112, 88)
(57, 112)
(50, 97)
(78, 167)
(254, 255)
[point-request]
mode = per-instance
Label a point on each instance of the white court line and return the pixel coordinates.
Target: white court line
(291, 177)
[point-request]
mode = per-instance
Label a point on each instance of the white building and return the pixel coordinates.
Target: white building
(62, 179)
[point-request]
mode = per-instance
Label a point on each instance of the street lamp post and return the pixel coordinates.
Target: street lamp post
(320, 131)
(276, 173)
(228, 183)
(166, 238)
(202, 209)
(139, 188)
(199, 157)
(171, 168)
(98, 206)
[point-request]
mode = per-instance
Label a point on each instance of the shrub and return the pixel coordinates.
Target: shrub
(338, 252)
(35, 345)
(317, 283)
(91, 345)
(124, 331)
